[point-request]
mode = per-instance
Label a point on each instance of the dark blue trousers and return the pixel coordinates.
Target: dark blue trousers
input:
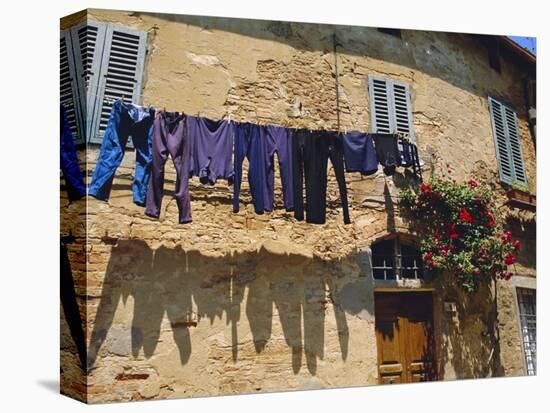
(69, 161)
(250, 145)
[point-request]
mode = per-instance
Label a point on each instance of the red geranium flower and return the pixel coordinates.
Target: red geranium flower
(450, 228)
(509, 259)
(473, 183)
(465, 216)
(491, 218)
(454, 235)
(516, 245)
(506, 275)
(506, 237)
(428, 256)
(426, 189)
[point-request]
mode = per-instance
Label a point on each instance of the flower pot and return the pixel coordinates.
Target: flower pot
(521, 199)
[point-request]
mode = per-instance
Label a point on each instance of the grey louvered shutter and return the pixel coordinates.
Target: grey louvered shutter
(380, 106)
(120, 74)
(88, 38)
(507, 143)
(70, 93)
(402, 111)
(390, 106)
(515, 144)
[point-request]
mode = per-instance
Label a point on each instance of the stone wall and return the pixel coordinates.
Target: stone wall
(243, 303)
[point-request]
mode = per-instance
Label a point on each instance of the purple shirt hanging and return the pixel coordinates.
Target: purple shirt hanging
(211, 149)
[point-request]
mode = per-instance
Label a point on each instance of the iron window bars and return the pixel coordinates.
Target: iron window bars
(393, 260)
(527, 303)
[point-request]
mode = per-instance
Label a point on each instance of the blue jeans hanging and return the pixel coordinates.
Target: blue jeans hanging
(126, 120)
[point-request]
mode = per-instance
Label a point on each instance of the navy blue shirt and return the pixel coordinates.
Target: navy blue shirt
(359, 153)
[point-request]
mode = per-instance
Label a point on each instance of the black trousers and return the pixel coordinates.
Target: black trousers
(387, 151)
(311, 151)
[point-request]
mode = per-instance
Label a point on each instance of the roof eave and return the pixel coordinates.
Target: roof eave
(519, 51)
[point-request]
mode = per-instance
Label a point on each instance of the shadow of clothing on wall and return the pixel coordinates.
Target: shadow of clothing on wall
(70, 305)
(187, 286)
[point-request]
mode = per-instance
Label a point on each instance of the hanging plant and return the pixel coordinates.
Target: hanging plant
(462, 234)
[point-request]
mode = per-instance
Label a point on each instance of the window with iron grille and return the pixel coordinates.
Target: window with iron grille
(527, 304)
(100, 63)
(394, 260)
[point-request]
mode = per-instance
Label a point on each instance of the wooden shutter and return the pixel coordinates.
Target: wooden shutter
(401, 100)
(69, 88)
(120, 74)
(515, 144)
(390, 106)
(380, 107)
(507, 143)
(88, 38)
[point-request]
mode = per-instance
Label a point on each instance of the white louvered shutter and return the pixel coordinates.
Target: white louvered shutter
(507, 143)
(120, 74)
(69, 89)
(390, 106)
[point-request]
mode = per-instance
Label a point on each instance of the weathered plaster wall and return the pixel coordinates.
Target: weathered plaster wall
(235, 303)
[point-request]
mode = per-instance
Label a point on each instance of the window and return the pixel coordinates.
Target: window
(99, 64)
(507, 143)
(394, 260)
(391, 32)
(390, 106)
(494, 55)
(527, 303)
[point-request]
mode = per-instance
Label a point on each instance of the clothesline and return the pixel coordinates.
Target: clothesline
(227, 116)
(110, 100)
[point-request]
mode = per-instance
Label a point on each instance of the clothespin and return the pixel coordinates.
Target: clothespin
(122, 98)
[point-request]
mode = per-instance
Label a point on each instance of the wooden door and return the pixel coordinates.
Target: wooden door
(404, 337)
